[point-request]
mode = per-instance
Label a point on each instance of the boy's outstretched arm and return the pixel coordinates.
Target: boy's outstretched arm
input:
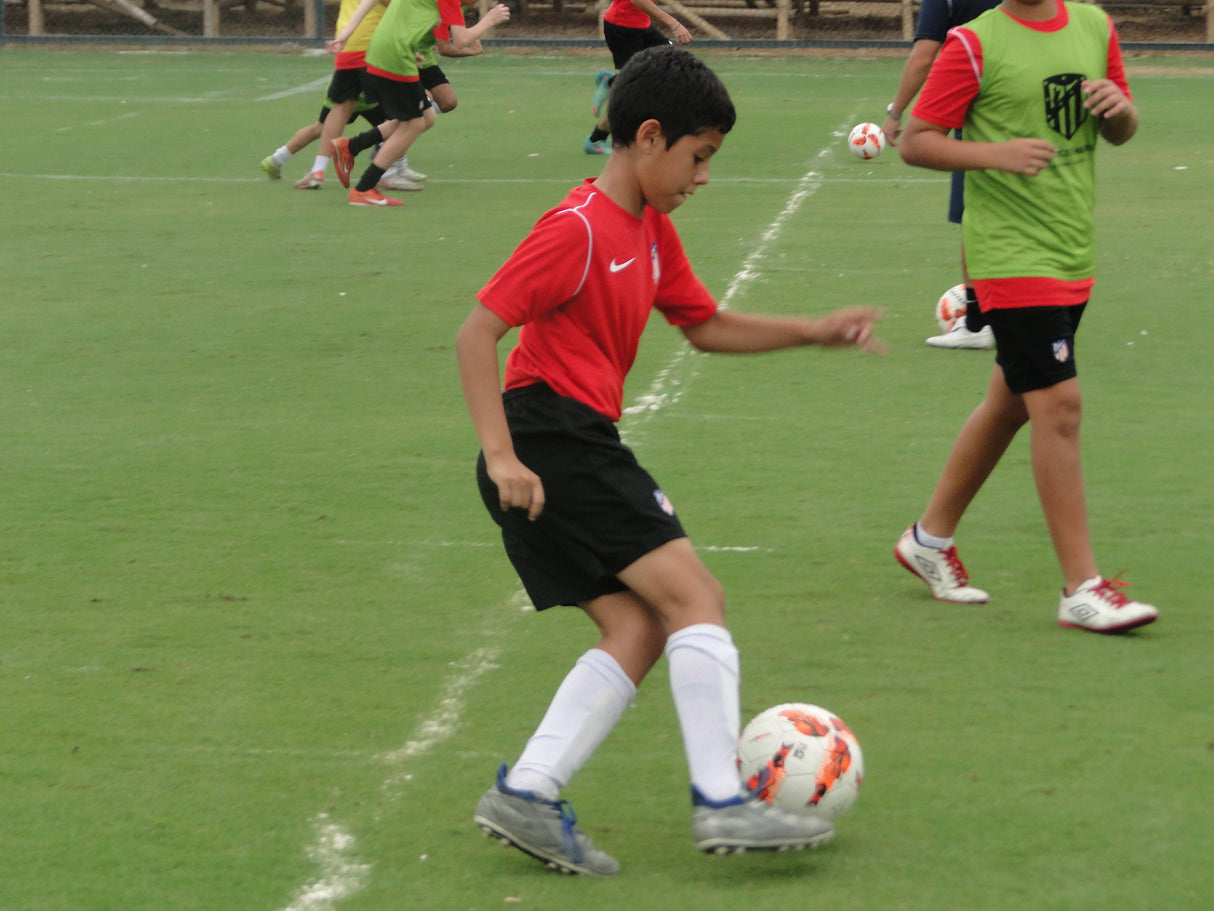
(730, 331)
(476, 350)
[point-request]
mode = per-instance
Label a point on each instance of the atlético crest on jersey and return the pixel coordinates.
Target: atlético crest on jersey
(1062, 351)
(1064, 110)
(657, 266)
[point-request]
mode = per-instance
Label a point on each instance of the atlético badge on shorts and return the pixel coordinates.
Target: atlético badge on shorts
(1062, 351)
(664, 503)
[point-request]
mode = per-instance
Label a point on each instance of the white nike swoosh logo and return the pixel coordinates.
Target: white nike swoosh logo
(616, 267)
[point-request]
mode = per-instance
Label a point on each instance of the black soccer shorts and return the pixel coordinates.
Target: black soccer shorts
(602, 510)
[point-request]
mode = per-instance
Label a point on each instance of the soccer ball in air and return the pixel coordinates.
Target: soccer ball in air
(866, 140)
(801, 758)
(950, 309)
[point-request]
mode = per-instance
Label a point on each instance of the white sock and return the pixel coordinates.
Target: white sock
(704, 683)
(320, 163)
(282, 155)
(931, 540)
(587, 705)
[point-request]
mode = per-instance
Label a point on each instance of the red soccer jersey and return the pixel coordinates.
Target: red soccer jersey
(623, 13)
(582, 285)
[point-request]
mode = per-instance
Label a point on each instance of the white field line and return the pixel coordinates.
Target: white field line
(340, 877)
(435, 179)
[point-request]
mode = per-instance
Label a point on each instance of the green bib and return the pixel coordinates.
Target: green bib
(1016, 226)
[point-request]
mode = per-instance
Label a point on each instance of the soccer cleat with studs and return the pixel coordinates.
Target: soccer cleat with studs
(746, 823)
(343, 161)
(398, 181)
(371, 197)
(1100, 606)
(313, 181)
(602, 87)
(544, 829)
(271, 169)
(940, 569)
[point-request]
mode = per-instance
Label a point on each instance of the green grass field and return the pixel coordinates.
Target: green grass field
(260, 649)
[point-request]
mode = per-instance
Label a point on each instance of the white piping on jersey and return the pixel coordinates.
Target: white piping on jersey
(969, 50)
(576, 210)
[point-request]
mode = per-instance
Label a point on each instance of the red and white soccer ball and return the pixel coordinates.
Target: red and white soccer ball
(866, 140)
(950, 309)
(801, 758)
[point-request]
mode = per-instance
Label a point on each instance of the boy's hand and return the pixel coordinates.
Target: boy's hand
(334, 45)
(518, 487)
(1026, 156)
(1104, 98)
(851, 326)
(498, 15)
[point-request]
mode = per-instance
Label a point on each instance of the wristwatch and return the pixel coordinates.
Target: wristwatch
(889, 109)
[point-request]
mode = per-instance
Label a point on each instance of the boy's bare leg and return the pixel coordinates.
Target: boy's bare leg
(981, 443)
(1054, 415)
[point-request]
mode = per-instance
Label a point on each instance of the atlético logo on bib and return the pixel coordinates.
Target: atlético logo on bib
(1062, 351)
(1064, 110)
(663, 502)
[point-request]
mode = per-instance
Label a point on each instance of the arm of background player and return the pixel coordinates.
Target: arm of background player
(339, 40)
(463, 38)
(928, 145)
(678, 31)
(914, 74)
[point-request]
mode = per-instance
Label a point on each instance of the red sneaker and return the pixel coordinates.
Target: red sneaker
(372, 198)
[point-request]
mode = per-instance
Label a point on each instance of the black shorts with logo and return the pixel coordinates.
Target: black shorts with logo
(1035, 346)
(602, 510)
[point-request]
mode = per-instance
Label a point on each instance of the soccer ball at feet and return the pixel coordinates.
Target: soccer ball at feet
(801, 758)
(950, 309)
(866, 140)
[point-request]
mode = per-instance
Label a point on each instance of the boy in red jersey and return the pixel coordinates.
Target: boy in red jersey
(628, 29)
(1034, 83)
(581, 521)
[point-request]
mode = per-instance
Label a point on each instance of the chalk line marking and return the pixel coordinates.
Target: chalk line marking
(341, 877)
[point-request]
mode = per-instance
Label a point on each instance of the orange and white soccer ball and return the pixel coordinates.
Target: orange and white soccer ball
(950, 309)
(866, 140)
(801, 758)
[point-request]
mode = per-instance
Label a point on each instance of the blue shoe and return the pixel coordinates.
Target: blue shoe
(601, 89)
(545, 829)
(595, 148)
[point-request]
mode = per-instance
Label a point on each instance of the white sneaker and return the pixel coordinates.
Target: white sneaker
(940, 569)
(398, 182)
(1098, 605)
(406, 171)
(960, 337)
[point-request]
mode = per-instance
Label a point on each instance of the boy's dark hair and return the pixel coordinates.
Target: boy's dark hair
(673, 87)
